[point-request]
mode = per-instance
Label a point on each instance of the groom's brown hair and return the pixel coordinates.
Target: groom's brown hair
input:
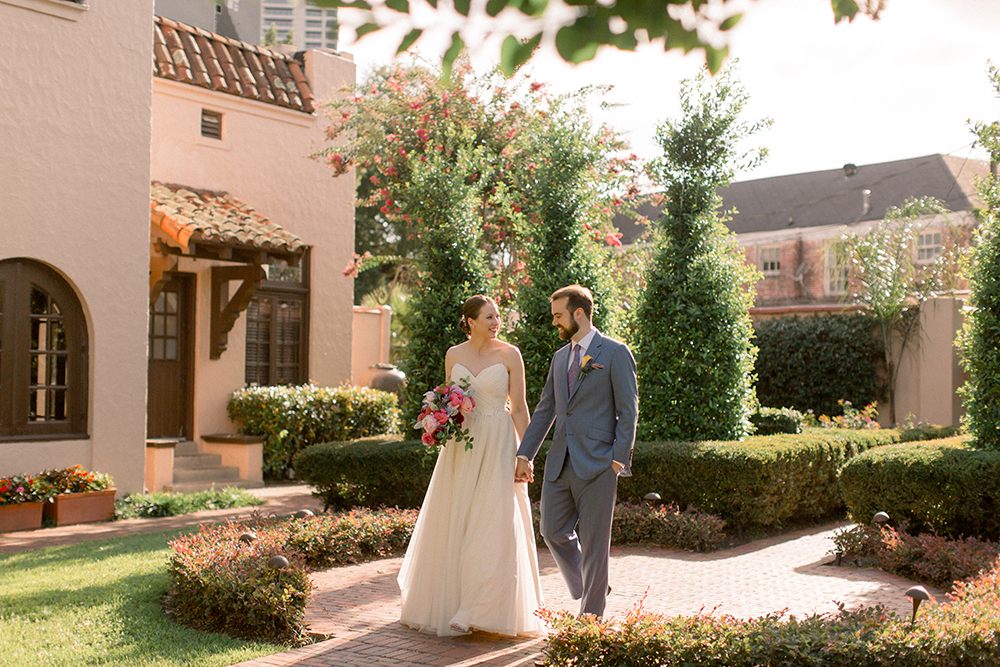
(577, 296)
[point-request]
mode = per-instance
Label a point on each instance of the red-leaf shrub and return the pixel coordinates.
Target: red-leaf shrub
(221, 583)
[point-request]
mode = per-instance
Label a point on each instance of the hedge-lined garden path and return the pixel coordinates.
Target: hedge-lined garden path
(358, 606)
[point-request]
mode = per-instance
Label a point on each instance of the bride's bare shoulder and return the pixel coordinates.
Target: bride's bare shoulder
(509, 352)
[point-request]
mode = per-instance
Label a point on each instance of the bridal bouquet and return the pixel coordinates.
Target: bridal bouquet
(445, 408)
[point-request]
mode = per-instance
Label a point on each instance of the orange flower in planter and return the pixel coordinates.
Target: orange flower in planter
(77, 480)
(80, 496)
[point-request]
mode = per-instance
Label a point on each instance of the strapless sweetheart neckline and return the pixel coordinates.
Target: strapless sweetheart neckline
(476, 375)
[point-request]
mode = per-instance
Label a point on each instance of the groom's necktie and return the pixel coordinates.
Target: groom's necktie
(574, 368)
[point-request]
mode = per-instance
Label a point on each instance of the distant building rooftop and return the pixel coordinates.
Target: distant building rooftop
(853, 193)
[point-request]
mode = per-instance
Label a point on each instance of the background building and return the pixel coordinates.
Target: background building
(310, 26)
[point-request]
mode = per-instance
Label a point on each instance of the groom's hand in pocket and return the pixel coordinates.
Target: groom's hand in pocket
(524, 471)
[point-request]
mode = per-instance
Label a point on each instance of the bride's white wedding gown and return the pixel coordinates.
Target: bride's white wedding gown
(472, 560)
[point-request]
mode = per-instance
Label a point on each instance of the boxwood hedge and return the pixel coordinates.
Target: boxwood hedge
(291, 418)
(763, 480)
(937, 485)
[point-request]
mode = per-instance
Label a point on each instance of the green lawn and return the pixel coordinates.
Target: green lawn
(98, 603)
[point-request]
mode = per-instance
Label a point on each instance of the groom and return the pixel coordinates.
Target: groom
(591, 396)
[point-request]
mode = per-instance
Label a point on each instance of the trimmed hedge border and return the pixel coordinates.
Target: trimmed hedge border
(222, 583)
(963, 632)
(763, 480)
(937, 486)
(292, 418)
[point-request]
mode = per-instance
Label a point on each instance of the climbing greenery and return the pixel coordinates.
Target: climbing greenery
(695, 356)
(498, 188)
(567, 200)
(981, 356)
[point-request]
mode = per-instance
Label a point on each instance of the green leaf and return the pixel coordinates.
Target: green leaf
(462, 7)
(574, 47)
(367, 28)
(514, 53)
(357, 4)
(844, 9)
(715, 57)
(533, 7)
(494, 7)
(449, 56)
(408, 41)
(730, 22)
(401, 6)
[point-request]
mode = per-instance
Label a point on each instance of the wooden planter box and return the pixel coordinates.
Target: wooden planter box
(88, 507)
(23, 516)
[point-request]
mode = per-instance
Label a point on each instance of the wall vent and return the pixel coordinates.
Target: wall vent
(211, 124)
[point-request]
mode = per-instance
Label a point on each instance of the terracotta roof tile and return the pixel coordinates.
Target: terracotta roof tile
(192, 55)
(186, 215)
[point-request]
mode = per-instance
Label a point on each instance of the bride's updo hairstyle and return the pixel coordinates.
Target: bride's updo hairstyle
(470, 310)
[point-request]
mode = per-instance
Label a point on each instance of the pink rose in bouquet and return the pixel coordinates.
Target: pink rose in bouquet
(443, 413)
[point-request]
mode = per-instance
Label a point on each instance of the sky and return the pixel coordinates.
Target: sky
(862, 92)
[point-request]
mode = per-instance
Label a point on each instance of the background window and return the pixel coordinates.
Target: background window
(43, 354)
(928, 246)
(275, 339)
(770, 260)
(836, 269)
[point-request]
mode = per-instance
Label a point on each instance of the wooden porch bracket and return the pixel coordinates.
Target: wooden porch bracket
(225, 310)
(160, 267)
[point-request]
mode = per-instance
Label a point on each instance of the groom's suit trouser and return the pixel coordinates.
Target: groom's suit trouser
(576, 524)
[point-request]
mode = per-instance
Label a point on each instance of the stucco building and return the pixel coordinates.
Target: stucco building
(164, 239)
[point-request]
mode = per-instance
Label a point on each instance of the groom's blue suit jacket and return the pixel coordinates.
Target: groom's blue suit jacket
(595, 422)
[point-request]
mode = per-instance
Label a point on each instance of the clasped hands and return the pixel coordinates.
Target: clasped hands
(524, 470)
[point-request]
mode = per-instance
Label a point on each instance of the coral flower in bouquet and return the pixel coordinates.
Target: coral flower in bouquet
(444, 411)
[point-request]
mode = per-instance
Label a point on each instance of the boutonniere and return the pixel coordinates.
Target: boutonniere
(586, 366)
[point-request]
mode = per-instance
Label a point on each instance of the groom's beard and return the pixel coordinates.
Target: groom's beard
(565, 333)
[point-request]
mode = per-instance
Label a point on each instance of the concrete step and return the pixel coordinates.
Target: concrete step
(220, 474)
(186, 448)
(193, 461)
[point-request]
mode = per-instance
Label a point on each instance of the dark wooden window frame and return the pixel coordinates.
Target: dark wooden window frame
(17, 276)
(278, 288)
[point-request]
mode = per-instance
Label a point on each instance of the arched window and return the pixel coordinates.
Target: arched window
(43, 354)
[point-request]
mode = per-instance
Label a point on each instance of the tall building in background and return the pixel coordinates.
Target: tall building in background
(312, 27)
(237, 19)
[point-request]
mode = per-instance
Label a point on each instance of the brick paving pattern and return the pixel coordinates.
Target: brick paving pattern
(357, 607)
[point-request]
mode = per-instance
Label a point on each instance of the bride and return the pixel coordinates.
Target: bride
(471, 563)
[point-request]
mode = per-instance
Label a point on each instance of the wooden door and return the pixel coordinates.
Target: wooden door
(170, 393)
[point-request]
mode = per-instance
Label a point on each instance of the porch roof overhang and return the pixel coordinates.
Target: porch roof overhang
(216, 226)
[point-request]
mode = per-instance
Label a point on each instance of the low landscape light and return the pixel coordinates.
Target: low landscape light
(277, 562)
(918, 594)
(302, 514)
(248, 537)
(881, 518)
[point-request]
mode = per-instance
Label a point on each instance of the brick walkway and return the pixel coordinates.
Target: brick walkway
(357, 607)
